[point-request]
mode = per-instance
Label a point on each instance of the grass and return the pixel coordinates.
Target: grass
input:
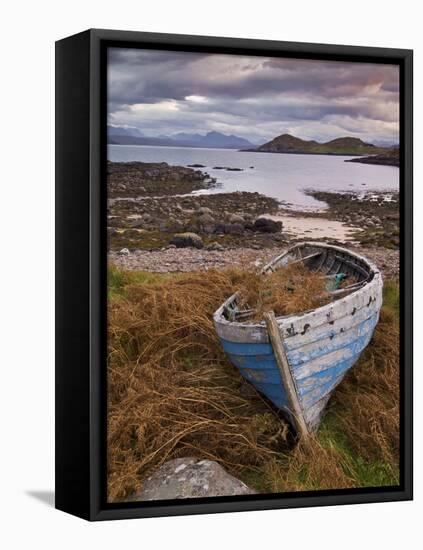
(285, 291)
(118, 280)
(172, 393)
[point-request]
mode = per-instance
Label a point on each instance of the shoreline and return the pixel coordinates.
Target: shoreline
(191, 259)
(244, 226)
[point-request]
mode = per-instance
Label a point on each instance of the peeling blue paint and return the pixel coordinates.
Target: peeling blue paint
(257, 363)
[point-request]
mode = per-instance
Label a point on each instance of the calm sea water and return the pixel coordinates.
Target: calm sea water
(282, 176)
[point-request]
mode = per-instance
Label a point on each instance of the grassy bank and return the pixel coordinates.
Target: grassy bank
(172, 393)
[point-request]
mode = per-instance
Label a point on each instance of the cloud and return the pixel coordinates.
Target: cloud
(255, 97)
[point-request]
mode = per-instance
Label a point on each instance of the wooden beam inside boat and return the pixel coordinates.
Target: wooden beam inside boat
(353, 266)
(346, 289)
(309, 257)
(286, 375)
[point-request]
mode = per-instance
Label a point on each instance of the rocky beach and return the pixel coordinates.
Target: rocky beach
(157, 223)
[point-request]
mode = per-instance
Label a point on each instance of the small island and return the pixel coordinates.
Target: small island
(287, 143)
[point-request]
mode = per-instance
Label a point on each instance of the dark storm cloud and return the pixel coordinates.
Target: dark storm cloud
(148, 76)
(257, 97)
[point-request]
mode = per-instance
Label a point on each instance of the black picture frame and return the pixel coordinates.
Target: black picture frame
(81, 273)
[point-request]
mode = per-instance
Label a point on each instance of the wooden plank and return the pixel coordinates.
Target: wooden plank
(292, 327)
(348, 288)
(354, 266)
(285, 372)
(322, 261)
(306, 258)
(328, 269)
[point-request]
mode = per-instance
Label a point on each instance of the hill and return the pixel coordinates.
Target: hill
(287, 143)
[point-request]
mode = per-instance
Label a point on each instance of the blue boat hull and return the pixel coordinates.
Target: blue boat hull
(257, 364)
(319, 346)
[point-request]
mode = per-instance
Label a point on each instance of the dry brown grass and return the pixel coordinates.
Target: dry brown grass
(172, 393)
(309, 466)
(358, 442)
(371, 417)
(286, 291)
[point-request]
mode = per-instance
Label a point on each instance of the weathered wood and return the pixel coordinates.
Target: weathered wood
(309, 257)
(297, 363)
(346, 289)
(355, 266)
(292, 327)
(285, 371)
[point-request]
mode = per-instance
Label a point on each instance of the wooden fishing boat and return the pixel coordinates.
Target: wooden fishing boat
(297, 361)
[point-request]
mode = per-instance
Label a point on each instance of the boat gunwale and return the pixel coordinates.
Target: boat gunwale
(284, 321)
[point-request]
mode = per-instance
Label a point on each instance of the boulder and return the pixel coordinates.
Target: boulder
(124, 252)
(171, 224)
(204, 210)
(233, 228)
(147, 218)
(138, 224)
(220, 228)
(190, 478)
(185, 240)
(236, 218)
(215, 246)
(207, 223)
(266, 225)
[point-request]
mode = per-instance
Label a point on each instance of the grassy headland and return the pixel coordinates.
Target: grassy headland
(287, 143)
(390, 157)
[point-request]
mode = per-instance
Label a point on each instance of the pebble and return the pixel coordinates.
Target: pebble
(191, 259)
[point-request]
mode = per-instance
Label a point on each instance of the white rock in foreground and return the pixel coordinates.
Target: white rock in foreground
(190, 478)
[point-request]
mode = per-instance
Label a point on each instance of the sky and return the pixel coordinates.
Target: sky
(258, 98)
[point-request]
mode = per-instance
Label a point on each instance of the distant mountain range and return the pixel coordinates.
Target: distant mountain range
(340, 146)
(284, 143)
(120, 135)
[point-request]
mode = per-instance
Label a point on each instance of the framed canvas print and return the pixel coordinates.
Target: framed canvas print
(234, 274)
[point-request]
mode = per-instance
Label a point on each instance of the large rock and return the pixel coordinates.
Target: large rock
(171, 224)
(215, 246)
(138, 224)
(185, 240)
(147, 218)
(190, 478)
(124, 252)
(204, 210)
(266, 225)
(207, 223)
(233, 228)
(236, 218)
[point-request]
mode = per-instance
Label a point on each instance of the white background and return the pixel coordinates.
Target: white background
(28, 32)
